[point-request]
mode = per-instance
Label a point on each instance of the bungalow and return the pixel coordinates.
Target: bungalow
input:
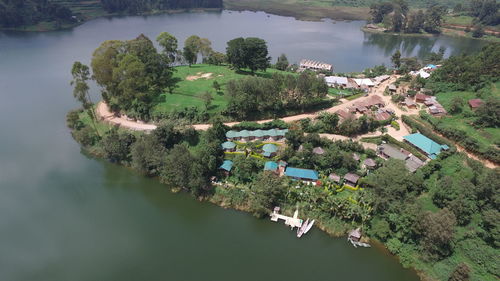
(306, 175)
(334, 177)
(379, 79)
(431, 148)
(315, 65)
(382, 116)
(229, 146)
(393, 88)
(227, 166)
(271, 166)
(437, 110)
(351, 179)
(269, 150)
(257, 134)
(413, 163)
(370, 163)
(387, 151)
(344, 114)
(318, 151)
(364, 82)
(408, 102)
(421, 97)
(245, 135)
(232, 135)
(336, 81)
(475, 103)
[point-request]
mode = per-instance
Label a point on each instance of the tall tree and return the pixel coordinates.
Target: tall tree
(81, 75)
(256, 54)
(169, 44)
(437, 231)
(282, 63)
(396, 59)
(433, 18)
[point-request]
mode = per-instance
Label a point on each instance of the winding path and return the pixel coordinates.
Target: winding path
(106, 115)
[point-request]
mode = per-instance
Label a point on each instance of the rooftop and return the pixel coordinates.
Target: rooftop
(350, 177)
(430, 147)
(228, 145)
(227, 165)
(475, 103)
(301, 173)
(270, 166)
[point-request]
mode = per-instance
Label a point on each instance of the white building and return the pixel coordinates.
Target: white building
(336, 81)
(315, 65)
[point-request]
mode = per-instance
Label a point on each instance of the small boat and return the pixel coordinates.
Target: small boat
(301, 230)
(358, 244)
(308, 227)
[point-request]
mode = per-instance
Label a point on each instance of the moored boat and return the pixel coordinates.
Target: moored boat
(309, 226)
(301, 230)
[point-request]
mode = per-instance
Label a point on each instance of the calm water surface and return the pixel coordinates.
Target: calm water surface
(64, 216)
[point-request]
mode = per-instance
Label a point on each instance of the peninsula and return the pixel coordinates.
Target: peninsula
(407, 154)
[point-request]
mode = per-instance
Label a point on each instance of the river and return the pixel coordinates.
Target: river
(65, 216)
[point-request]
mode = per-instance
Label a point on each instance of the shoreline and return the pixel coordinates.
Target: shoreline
(446, 32)
(33, 28)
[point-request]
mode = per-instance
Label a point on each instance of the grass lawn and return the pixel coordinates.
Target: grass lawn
(463, 121)
(189, 93)
(458, 20)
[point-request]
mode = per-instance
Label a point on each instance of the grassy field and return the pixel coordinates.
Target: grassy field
(463, 121)
(305, 10)
(189, 93)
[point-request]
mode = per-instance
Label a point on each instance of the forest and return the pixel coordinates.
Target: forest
(23, 13)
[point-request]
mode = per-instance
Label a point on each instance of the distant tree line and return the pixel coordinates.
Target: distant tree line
(16, 13)
(134, 6)
(397, 17)
(484, 11)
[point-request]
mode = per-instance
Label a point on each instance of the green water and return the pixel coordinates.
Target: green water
(64, 216)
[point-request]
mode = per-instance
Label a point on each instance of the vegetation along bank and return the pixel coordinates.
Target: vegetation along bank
(437, 210)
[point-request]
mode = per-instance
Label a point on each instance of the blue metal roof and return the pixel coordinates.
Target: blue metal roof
(228, 145)
(270, 166)
(301, 173)
(227, 165)
(269, 147)
(430, 147)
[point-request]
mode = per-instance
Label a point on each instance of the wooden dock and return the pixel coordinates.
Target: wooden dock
(290, 221)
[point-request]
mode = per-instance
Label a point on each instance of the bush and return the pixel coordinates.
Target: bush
(395, 125)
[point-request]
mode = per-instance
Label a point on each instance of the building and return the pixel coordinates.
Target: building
(370, 163)
(379, 79)
(305, 175)
(419, 97)
(334, 177)
(271, 166)
(382, 116)
(318, 150)
(393, 88)
(408, 102)
(315, 65)
(475, 103)
(269, 150)
(246, 135)
(431, 148)
(351, 179)
(336, 81)
(355, 235)
(345, 115)
(388, 151)
(227, 166)
(229, 146)
(364, 82)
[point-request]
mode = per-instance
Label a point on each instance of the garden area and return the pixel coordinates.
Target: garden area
(195, 81)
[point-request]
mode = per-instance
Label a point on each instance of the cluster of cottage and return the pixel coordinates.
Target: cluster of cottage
(373, 106)
(385, 151)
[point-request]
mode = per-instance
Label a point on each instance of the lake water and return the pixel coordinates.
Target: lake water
(64, 216)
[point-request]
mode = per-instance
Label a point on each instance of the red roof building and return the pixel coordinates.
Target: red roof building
(475, 103)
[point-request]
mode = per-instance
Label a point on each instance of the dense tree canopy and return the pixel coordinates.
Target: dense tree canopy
(249, 53)
(134, 6)
(132, 74)
(15, 13)
(250, 95)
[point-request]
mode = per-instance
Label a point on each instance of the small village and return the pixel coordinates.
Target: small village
(267, 145)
